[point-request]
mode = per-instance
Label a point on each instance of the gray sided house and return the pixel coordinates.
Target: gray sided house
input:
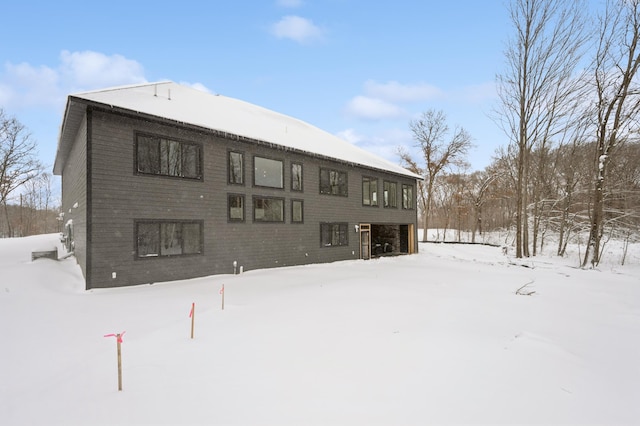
(163, 182)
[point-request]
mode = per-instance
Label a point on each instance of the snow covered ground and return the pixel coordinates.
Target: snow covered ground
(435, 338)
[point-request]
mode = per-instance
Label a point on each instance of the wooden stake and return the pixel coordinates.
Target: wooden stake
(222, 293)
(193, 317)
(119, 340)
(119, 349)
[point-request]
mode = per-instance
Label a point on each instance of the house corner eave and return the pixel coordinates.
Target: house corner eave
(74, 111)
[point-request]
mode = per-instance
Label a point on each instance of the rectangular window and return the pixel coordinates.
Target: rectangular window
(235, 203)
(333, 182)
(148, 236)
(296, 177)
(407, 196)
(168, 238)
(297, 214)
(369, 191)
(236, 168)
(266, 209)
(390, 194)
(268, 172)
(333, 234)
(166, 157)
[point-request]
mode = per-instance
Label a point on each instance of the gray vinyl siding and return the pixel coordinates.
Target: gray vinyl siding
(120, 197)
(74, 191)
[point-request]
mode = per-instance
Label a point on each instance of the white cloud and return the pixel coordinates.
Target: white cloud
(289, 3)
(296, 28)
(373, 109)
(25, 85)
(384, 142)
(198, 86)
(393, 91)
(93, 69)
(350, 136)
(383, 100)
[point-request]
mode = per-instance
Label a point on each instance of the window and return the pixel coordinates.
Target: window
(168, 238)
(166, 157)
(235, 204)
(296, 177)
(297, 215)
(268, 209)
(268, 172)
(369, 191)
(390, 194)
(407, 196)
(333, 182)
(333, 234)
(236, 168)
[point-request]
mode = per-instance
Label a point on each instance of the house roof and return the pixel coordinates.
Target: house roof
(235, 118)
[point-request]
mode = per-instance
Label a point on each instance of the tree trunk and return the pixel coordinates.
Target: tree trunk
(6, 215)
(592, 253)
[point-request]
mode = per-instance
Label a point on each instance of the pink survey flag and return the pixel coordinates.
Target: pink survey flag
(117, 336)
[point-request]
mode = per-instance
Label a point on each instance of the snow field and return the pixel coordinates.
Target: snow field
(435, 338)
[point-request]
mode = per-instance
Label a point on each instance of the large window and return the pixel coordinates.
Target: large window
(267, 209)
(333, 234)
(236, 168)
(168, 238)
(166, 157)
(297, 211)
(390, 194)
(407, 196)
(235, 204)
(333, 182)
(296, 177)
(369, 191)
(268, 172)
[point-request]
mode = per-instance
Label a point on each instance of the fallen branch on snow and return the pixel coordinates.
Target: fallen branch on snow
(522, 292)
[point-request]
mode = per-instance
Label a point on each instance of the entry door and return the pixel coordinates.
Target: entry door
(365, 241)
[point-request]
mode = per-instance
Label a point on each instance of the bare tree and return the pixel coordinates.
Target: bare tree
(617, 103)
(18, 159)
(439, 149)
(538, 87)
(37, 211)
(479, 184)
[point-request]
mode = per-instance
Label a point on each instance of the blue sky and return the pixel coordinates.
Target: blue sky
(358, 69)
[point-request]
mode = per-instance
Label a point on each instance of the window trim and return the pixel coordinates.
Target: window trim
(159, 223)
(396, 194)
(229, 152)
(296, 200)
(256, 185)
(244, 208)
(339, 224)
(346, 182)
(294, 163)
(412, 201)
(262, 197)
(199, 162)
(370, 179)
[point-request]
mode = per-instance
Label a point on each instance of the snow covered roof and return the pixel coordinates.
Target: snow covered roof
(182, 104)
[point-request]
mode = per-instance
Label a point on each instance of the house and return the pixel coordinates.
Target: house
(163, 182)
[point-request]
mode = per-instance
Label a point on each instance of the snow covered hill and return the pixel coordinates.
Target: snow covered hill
(436, 338)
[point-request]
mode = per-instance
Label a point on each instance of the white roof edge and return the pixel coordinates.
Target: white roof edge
(169, 100)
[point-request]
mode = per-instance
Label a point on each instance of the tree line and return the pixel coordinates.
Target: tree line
(569, 100)
(26, 189)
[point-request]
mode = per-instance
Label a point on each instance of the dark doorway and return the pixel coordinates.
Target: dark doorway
(404, 238)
